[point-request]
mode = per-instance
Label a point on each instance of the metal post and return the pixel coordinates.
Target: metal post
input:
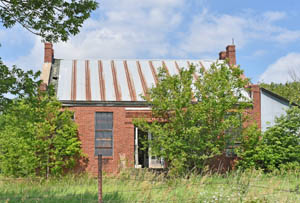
(100, 178)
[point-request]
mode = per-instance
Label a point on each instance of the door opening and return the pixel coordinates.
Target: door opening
(143, 158)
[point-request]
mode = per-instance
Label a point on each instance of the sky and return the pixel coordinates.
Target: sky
(266, 35)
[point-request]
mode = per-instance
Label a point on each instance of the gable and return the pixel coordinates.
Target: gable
(272, 106)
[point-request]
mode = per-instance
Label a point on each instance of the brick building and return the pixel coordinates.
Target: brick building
(106, 95)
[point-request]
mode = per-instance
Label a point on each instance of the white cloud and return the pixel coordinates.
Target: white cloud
(122, 29)
(210, 33)
(274, 15)
(127, 29)
(288, 36)
(161, 29)
(283, 70)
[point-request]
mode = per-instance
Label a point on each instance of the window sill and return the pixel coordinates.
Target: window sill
(105, 157)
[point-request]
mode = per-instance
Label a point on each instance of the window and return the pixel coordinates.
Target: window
(235, 134)
(104, 133)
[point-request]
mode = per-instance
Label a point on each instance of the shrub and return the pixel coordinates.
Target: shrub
(192, 117)
(278, 147)
(37, 138)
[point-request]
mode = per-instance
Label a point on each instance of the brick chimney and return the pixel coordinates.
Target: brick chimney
(48, 59)
(222, 55)
(49, 53)
(228, 54)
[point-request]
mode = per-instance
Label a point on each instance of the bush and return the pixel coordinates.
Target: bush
(37, 138)
(277, 148)
(193, 119)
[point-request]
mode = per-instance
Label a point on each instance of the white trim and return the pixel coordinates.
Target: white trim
(138, 109)
(136, 149)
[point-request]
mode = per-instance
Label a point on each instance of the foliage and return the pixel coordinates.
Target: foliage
(277, 148)
(16, 83)
(37, 138)
(186, 132)
(289, 90)
(52, 20)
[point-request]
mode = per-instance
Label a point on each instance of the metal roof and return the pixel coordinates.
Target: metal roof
(114, 80)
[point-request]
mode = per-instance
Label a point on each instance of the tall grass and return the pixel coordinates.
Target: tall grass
(144, 186)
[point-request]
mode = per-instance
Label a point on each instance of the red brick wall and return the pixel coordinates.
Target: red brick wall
(123, 133)
(123, 137)
(255, 112)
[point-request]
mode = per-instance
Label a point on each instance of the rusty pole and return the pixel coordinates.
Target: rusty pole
(100, 178)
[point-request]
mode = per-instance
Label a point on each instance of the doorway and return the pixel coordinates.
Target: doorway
(143, 158)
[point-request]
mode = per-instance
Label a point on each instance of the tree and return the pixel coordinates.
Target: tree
(53, 20)
(16, 83)
(37, 138)
(277, 148)
(288, 90)
(193, 120)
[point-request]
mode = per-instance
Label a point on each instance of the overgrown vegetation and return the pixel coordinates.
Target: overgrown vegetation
(277, 148)
(194, 118)
(140, 186)
(37, 138)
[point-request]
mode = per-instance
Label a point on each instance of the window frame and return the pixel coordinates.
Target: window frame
(104, 130)
(230, 147)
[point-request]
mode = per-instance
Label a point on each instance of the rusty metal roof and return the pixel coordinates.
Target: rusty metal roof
(114, 80)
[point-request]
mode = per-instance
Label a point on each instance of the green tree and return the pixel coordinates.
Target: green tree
(277, 148)
(193, 119)
(288, 90)
(53, 20)
(16, 83)
(37, 138)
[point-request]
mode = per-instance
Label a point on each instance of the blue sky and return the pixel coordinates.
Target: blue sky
(266, 35)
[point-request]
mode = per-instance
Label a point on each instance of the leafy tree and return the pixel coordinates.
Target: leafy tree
(277, 148)
(37, 138)
(53, 20)
(289, 90)
(16, 83)
(193, 119)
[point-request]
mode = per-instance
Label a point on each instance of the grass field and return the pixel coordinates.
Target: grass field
(141, 186)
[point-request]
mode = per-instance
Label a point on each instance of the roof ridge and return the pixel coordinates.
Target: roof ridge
(115, 59)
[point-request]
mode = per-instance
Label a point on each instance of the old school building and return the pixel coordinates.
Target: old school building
(105, 96)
